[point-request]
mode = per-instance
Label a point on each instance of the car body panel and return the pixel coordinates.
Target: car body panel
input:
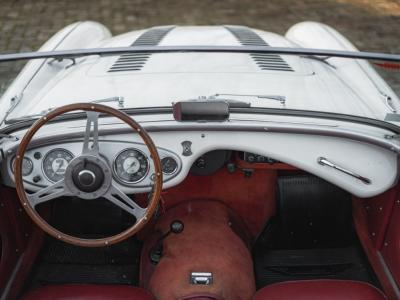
(339, 85)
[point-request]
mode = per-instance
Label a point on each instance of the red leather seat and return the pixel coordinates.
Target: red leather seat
(320, 290)
(88, 292)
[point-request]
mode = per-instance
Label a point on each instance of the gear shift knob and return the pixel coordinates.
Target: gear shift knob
(176, 227)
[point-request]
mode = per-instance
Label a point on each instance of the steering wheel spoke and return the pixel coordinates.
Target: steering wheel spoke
(119, 198)
(51, 192)
(91, 134)
(88, 176)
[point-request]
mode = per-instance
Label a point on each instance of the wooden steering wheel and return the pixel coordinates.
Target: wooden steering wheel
(88, 176)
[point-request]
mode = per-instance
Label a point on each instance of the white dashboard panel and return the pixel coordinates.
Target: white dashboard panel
(299, 150)
(377, 164)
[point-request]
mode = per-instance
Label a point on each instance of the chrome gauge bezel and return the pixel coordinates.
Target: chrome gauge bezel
(121, 180)
(47, 154)
(12, 162)
(176, 167)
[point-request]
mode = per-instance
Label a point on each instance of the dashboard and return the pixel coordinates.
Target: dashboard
(130, 163)
(200, 149)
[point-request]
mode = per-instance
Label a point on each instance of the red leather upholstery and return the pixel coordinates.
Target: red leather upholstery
(320, 290)
(202, 296)
(88, 292)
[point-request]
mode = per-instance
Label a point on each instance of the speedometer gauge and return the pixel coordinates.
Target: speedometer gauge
(131, 165)
(55, 163)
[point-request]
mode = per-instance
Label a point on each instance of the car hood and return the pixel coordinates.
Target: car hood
(164, 78)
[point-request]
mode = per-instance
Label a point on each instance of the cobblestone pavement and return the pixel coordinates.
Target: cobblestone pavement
(370, 24)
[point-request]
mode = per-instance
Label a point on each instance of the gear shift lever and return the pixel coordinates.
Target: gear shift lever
(175, 227)
(155, 254)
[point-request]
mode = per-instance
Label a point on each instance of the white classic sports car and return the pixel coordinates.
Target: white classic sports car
(193, 163)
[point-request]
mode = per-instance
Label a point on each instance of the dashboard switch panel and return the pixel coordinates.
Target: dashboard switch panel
(255, 158)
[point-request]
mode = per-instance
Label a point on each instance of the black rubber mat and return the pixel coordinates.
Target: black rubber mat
(61, 263)
(313, 213)
(312, 236)
(348, 263)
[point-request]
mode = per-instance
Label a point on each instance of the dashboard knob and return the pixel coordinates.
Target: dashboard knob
(251, 158)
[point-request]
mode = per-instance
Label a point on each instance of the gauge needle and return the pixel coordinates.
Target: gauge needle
(132, 166)
(60, 164)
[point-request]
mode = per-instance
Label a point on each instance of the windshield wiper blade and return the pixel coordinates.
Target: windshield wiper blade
(118, 99)
(281, 99)
(28, 117)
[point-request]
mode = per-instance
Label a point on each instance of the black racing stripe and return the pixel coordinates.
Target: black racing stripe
(136, 61)
(248, 37)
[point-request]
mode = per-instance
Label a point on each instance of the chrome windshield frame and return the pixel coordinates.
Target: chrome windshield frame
(75, 53)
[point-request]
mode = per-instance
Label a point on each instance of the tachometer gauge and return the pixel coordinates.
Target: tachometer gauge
(131, 166)
(55, 163)
(27, 166)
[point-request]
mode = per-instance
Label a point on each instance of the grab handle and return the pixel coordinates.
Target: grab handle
(325, 162)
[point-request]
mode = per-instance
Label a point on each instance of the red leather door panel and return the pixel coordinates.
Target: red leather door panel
(8, 257)
(391, 246)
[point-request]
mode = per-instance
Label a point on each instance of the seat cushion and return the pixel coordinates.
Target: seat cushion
(319, 290)
(88, 292)
(202, 296)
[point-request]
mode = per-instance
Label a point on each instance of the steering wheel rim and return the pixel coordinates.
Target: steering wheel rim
(88, 108)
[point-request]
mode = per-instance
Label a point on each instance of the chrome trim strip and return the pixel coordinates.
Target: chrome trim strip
(205, 49)
(10, 282)
(332, 132)
(388, 274)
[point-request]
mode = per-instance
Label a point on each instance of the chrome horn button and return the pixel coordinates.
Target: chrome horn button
(88, 177)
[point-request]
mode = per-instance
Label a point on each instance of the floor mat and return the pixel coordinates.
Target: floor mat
(61, 263)
(312, 236)
(348, 263)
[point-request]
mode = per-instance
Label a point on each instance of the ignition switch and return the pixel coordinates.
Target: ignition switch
(201, 163)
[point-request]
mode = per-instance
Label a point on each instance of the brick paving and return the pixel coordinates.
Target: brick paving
(370, 24)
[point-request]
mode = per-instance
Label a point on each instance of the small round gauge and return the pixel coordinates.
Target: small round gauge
(55, 163)
(27, 166)
(169, 165)
(131, 165)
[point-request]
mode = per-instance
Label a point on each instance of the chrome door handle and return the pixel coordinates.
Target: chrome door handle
(325, 162)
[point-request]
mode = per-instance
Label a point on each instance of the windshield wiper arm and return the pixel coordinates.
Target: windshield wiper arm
(281, 99)
(118, 99)
(28, 117)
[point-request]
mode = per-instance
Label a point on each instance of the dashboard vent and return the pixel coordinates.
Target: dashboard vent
(264, 61)
(136, 61)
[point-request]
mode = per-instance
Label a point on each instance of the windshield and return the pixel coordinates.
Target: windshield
(272, 80)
